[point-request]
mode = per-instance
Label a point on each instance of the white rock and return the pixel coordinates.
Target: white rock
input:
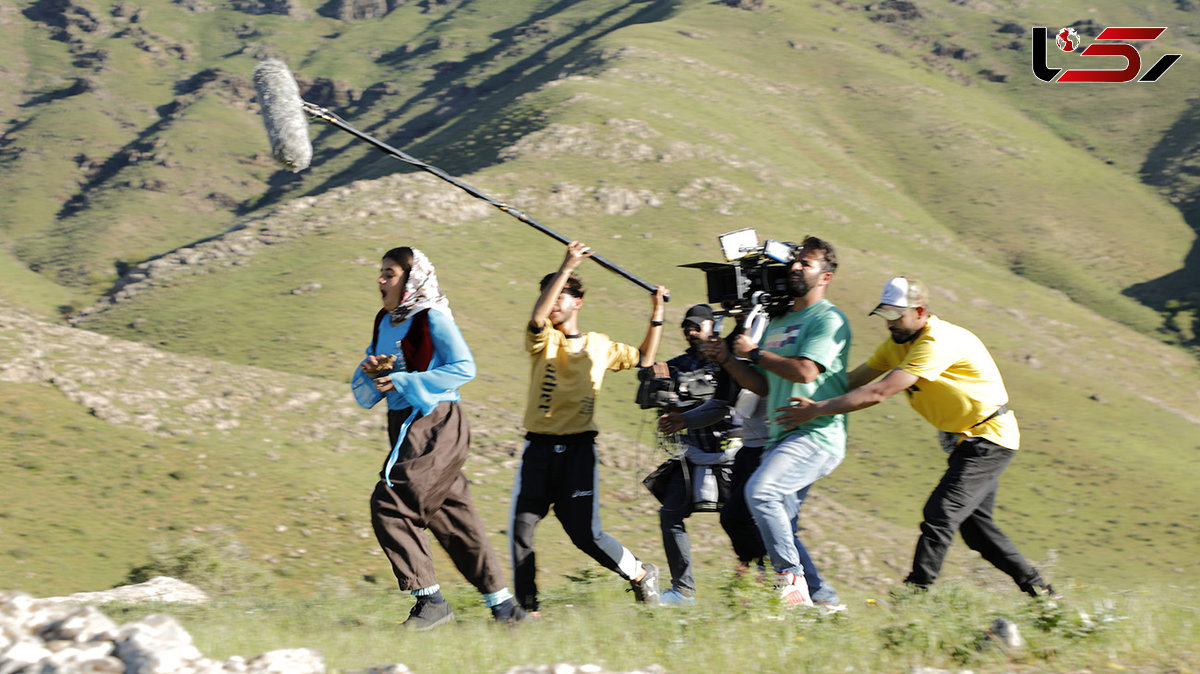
(287, 661)
(22, 654)
(159, 589)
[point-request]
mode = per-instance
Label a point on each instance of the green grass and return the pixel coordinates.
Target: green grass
(738, 628)
(1021, 205)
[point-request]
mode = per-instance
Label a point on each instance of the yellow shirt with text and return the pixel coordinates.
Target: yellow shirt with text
(958, 383)
(565, 376)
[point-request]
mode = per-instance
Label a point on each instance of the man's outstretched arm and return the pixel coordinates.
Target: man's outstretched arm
(803, 410)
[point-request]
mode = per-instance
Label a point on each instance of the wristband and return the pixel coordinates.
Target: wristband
(656, 324)
(755, 355)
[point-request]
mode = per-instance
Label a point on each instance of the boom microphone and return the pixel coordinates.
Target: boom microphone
(283, 114)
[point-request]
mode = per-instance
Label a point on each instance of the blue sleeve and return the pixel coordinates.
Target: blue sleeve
(365, 393)
(451, 367)
(363, 387)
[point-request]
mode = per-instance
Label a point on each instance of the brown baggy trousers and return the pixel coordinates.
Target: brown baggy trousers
(429, 491)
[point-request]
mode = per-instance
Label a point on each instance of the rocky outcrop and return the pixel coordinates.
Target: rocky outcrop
(64, 635)
(47, 636)
(357, 10)
(160, 589)
(68, 21)
(290, 8)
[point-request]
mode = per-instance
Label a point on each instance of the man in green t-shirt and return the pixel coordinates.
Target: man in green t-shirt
(802, 353)
(950, 380)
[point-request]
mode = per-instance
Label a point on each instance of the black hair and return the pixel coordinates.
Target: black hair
(574, 286)
(812, 244)
(402, 256)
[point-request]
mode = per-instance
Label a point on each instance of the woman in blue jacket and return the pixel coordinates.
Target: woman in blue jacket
(417, 359)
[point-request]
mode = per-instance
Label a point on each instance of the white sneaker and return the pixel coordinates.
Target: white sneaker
(830, 609)
(792, 590)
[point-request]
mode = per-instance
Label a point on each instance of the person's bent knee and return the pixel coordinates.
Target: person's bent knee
(937, 530)
(763, 498)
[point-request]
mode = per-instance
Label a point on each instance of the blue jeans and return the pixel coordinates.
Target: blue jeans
(747, 542)
(775, 493)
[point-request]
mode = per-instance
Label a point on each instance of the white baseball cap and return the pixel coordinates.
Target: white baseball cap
(899, 294)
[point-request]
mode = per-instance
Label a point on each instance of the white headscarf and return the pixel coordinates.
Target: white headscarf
(421, 290)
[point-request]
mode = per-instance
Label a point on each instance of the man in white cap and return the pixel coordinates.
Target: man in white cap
(950, 380)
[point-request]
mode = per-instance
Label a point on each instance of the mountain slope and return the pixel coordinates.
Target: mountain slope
(1052, 221)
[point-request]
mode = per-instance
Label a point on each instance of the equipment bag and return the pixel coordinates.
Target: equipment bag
(711, 486)
(659, 480)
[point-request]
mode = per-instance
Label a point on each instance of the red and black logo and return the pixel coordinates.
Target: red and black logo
(1112, 41)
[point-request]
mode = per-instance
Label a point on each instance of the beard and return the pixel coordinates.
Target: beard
(904, 336)
(798, 285)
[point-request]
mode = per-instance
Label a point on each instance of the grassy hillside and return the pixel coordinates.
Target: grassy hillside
(206, 394)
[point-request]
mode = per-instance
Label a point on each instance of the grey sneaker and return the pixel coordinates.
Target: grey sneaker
(426, 615)
(516, 615)
(646, 589)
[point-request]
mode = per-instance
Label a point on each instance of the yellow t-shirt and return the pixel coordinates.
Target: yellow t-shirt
(565, 376)
(959, 384)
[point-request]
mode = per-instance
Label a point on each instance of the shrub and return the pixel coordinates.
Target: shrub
(216, 562)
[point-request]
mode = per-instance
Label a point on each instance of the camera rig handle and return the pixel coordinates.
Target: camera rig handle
(755, 323)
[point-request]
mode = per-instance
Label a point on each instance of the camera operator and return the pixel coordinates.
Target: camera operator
(805, 349)
(738, 522)
(711, 440)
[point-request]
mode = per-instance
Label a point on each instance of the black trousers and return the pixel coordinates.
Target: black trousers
(560, 471)
(962, 502)
(736, 519)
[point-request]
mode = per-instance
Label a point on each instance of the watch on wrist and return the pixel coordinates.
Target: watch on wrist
(754, 355)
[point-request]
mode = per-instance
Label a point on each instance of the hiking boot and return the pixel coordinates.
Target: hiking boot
(646, 589)
(508, 612)
(673, 597)
(426, 615)
(517, 616)
(793, 591)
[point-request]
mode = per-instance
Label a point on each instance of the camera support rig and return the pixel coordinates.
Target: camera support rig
(753, 281)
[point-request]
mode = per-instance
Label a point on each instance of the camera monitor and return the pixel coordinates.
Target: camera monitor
(778, 251)
(738, 243)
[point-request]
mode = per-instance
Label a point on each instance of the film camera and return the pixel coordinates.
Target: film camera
(661, 388)
(752, 275)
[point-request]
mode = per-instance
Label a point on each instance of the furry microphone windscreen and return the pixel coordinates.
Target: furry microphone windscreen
(283, 115)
